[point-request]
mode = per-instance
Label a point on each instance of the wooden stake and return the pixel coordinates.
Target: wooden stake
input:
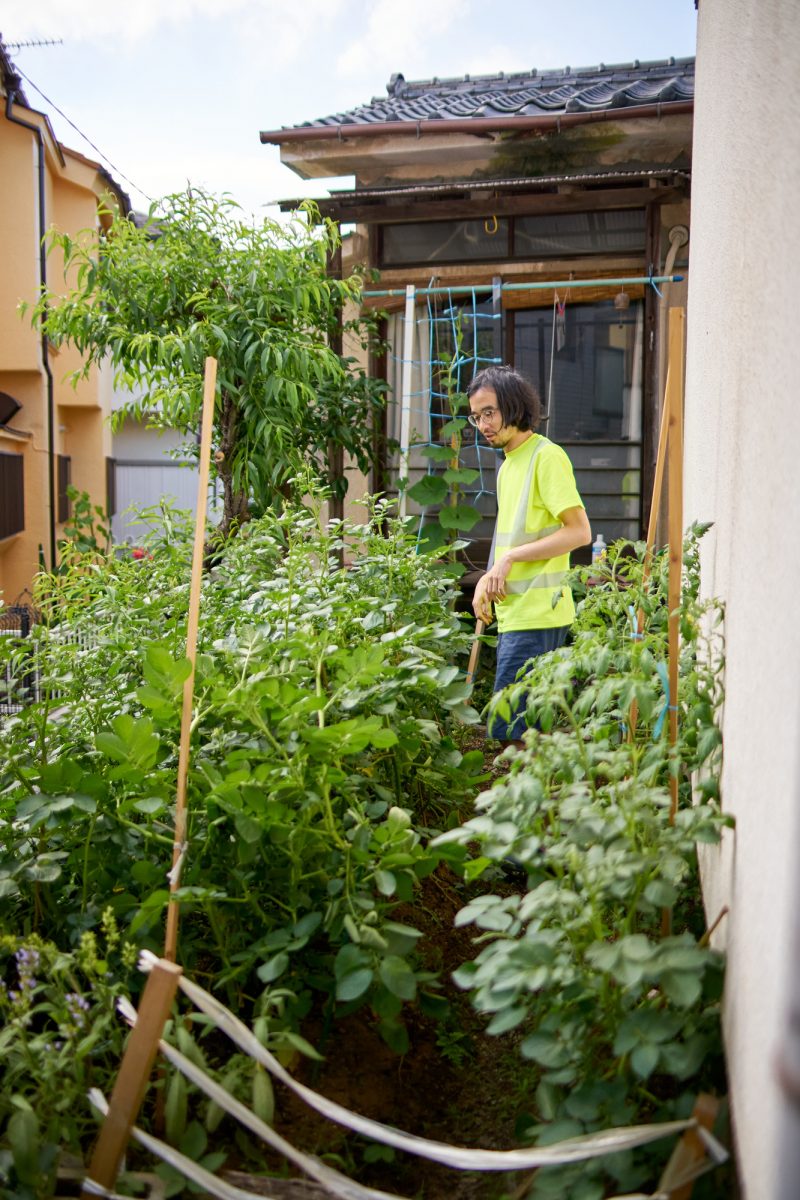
(677, 343)
(134, 1073)
(179, 847)
(475, 652)
(690, 1150)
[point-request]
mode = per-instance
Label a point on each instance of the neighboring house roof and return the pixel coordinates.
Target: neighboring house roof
(521, 96)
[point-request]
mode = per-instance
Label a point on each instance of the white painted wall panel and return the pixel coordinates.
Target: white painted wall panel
(742, 471)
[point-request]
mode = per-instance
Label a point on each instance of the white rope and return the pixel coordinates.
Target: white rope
(208, 1183)
(174, 875)
(336, 1183)
(572, 1150)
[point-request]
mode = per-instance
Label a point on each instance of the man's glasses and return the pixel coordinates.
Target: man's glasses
(488, 414)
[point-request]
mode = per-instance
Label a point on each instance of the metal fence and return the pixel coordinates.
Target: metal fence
(19, 677)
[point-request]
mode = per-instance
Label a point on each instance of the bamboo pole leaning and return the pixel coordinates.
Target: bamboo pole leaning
(677, 346)
(179, 847)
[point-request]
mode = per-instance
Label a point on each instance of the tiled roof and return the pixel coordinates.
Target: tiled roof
(524, 94)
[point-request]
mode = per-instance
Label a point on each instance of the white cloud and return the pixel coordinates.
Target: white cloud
(398, 31)
(273, 26)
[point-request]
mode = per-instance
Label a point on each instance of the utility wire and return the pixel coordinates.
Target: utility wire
(80, 132)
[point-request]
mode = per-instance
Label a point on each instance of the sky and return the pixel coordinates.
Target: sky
(176, 91)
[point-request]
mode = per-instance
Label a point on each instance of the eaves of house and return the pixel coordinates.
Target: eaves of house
(525, 126)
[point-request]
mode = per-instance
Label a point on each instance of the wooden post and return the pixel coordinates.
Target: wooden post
(474, 652)
(134, 1073)
(179, 847)
(690, 1151)
(677, 342)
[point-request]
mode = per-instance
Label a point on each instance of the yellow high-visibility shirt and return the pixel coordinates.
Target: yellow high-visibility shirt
(534, 485)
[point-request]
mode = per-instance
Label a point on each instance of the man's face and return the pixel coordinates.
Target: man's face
(486, 416)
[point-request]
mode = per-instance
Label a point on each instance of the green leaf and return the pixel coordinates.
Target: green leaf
(459, 516)
(351, 986)
(273, 968)
(507, 1018)
(386, 882)
(644, 1059)
(661, 893)
(395, 1034)
(460, 475)
(438, 453)
(397, 977)
(545, 1049)
(431, 489)
(248, 829)
(682, 988)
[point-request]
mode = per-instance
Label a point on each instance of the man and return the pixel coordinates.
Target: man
(540, 519)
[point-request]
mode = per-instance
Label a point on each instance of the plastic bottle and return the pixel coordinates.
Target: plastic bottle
(598, 548)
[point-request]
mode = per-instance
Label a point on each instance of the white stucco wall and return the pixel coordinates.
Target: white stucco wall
(742, 464)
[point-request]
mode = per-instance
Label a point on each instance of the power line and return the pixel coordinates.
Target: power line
(80, 132)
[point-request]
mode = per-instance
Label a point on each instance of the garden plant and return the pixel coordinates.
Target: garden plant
(601, 964)
(334, 768)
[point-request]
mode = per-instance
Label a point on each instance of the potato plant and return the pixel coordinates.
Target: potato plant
(618, 1022)
(325, 702)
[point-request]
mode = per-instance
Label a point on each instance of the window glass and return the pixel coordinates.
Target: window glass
(589, 374)
(563, 234)
(444, 241)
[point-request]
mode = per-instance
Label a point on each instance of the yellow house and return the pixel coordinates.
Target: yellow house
(51, 434)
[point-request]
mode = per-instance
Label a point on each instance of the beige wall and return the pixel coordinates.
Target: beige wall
(742, 449)
(72, 188)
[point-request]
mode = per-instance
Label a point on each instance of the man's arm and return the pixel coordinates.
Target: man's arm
(575, 531)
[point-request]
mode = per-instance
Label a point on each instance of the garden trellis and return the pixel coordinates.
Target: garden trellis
(460, 313)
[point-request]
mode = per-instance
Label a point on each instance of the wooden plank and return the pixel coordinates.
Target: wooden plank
(134, 1073)
(677, 344)
(179, 847)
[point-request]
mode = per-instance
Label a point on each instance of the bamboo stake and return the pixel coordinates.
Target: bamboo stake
(655, 506)
(474, 652)
(405, 406)
(677, 336)
(133, 1075)
(179, 847)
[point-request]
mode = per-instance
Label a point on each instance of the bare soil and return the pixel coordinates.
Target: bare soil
(454, 1085)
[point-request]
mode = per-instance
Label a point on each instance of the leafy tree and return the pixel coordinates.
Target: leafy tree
(196, 280)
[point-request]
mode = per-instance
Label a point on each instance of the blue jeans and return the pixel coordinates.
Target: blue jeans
(514, 649)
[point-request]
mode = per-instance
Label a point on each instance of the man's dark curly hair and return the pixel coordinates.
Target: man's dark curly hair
(517, 399)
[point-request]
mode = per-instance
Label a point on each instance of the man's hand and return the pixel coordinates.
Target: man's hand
(494, 581)
(481, 605)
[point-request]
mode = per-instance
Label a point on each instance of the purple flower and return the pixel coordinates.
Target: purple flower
(77, 1008)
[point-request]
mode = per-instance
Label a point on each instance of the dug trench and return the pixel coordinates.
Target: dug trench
(455, 1084)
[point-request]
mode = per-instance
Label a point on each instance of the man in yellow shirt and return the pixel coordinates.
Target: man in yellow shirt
(540, 519)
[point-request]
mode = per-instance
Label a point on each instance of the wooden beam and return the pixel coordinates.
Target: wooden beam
(482, 206)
